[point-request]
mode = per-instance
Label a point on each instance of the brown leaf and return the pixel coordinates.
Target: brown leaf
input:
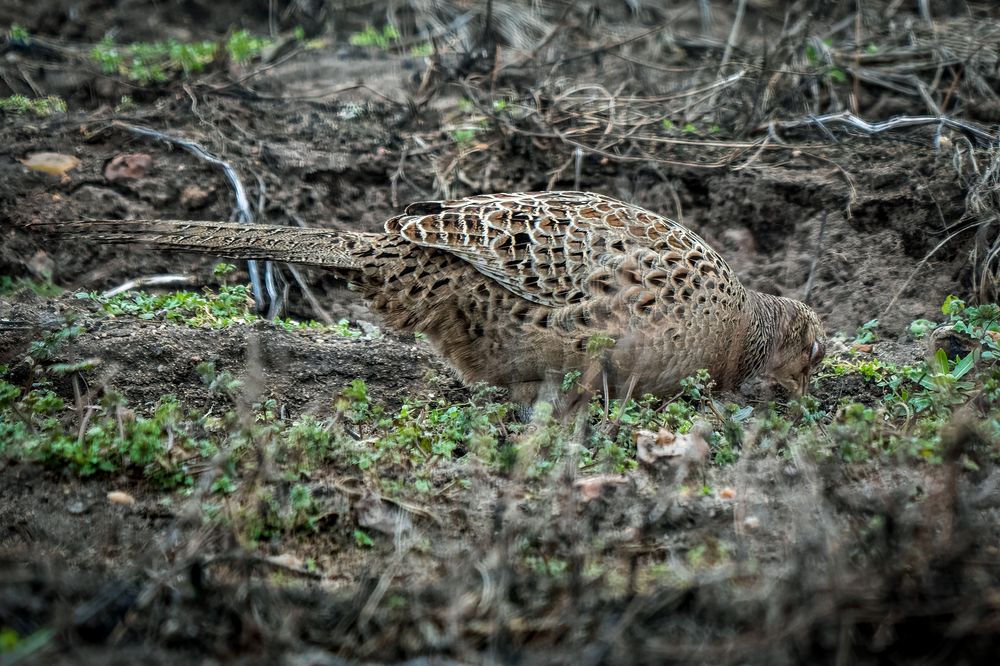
(127, 166)
(54, 164)
(682, 450)
(119, 497)
(592, 487)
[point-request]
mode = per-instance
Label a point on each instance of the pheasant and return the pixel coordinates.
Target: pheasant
(510, 287)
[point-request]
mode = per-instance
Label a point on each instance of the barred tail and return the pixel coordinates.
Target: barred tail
(316, 247)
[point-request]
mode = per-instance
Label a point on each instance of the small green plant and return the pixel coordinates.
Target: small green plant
(981, 323)
(51, 342)
(153, 62)
(39, 106)
(815, 55)
(16, 646)
(9, 639)
(464, 135)
(354, 402)
(110, 438)
(711, 553)
(699, 386)
(422, 50)
(344, 330)
(372, 36)
(157, 62)
(943, 382)
(866, 333)
(18, 35)
(813, 52)
(668, 124)
(837, 74)
(921, 327)
(125, 103)
(569, 379)
(466, 105)
(217, 382)
(223, 269)
(44, 288)
(242, 46)
(279, 510)
(598, 344)
(362, 540)
(856, 433)
(228, 306)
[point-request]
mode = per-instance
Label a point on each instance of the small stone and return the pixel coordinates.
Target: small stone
(128, 166)
(592, 487)
(194, 196)
(119, 497)
(41, 265)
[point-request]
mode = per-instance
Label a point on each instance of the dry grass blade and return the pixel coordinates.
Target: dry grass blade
(983, 206)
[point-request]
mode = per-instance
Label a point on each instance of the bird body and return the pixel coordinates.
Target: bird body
(509, 287)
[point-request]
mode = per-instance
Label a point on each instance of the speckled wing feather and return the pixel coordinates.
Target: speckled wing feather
(509, 287)
(561, 248)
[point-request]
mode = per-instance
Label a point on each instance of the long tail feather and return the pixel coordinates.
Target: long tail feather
(317, 247)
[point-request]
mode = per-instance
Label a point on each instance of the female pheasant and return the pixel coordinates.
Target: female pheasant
(509, 287)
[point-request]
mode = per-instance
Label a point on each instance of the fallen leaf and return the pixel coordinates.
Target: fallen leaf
(54, 164)
(727, 493)
(127, 166)
(119, 497)
(865, 349)
(592, 487)
(286, 560)
(690, 447)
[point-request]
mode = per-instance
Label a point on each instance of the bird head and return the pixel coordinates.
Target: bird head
(799, 347)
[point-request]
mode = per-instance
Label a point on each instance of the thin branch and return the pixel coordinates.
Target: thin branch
(150, 281)
(242, 212)
(975, 133)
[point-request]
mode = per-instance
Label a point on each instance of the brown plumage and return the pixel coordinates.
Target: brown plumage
(510, 286)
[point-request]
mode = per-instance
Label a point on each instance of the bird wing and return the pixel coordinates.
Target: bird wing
(556, 248)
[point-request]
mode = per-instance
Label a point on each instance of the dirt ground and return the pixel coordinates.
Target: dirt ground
(796, 565)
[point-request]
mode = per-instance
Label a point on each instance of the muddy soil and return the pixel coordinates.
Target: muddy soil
(867, 226)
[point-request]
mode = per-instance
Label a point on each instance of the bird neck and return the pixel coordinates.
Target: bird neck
(767, 317)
